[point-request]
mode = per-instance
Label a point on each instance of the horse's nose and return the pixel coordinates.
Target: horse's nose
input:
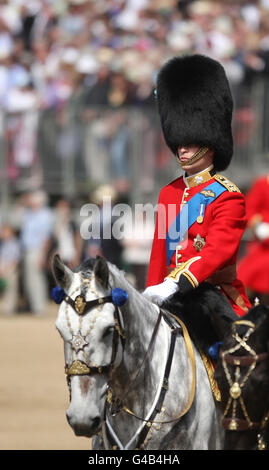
(86, 431)
(86, 427)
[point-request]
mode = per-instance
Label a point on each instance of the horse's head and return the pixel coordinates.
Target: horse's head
(242, 373)
(88, 323)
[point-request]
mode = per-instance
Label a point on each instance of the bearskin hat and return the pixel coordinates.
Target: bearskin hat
(195, 106)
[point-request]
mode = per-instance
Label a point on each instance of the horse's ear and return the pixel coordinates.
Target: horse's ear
(62, 274)
(100, 271)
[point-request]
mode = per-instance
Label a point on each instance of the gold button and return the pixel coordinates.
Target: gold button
(199, 219)
(179, 256)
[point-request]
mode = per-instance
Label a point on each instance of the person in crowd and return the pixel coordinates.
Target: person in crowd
(66, 235)
(36, 236)
(103, 241)
(10, 257)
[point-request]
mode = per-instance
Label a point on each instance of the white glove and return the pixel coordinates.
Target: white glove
(160, 292)
(262, 231)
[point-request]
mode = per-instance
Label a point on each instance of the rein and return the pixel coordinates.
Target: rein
(250, 360)
(175, 330)
(117, 403)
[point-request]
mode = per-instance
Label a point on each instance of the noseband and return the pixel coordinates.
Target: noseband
(235, 400)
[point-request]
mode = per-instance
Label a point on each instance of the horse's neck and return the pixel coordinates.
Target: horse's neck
(139, 317)
(139, 314)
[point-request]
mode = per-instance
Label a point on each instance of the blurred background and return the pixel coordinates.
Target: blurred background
(78, 120)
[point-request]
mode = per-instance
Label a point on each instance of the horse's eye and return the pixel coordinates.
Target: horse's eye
(108, 331)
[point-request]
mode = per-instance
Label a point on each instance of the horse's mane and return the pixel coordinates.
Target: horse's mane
(200, 310)
(141, 302)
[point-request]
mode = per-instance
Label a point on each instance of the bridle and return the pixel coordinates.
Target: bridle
(78, 367)
(235, 400)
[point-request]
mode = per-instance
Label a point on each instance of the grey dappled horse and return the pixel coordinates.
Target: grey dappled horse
(116, 361)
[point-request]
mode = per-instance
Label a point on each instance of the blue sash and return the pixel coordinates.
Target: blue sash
(188, 215)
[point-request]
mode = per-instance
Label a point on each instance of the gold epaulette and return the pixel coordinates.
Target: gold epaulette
(232, 188)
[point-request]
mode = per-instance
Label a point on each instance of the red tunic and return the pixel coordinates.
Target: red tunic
(254, 266)
(220, 231)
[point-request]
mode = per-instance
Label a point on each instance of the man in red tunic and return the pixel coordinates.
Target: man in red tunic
(201, 215)
(254, 266)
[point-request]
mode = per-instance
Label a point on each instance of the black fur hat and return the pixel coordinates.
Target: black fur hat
(195, 106)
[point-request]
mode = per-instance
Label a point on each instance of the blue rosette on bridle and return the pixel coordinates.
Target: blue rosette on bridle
(57, 294)
(119, 296)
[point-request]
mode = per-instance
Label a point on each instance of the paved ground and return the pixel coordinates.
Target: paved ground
(33, 390)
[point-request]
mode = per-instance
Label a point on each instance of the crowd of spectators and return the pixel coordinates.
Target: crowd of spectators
(33, 231)
(68, 57)
(76, 55)
(37, 229)
(49, 48)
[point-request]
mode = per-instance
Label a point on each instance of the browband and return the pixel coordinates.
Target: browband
(82, 306)
(118, 297)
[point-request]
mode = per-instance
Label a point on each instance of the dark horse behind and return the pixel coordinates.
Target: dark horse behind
(242, 374)
(242, 369)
